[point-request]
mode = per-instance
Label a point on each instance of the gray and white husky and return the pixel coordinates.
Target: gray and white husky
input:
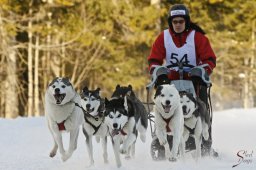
(196, 120)
(93, 108)
(63, 114)
(124, 117)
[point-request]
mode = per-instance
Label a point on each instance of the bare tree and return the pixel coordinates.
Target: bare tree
(9, 53)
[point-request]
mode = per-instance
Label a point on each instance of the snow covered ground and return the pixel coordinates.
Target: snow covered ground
(25, 144)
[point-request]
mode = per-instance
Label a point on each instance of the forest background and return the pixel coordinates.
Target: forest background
(100, 43)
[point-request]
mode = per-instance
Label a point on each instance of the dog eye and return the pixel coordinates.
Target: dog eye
(92, 99)
(171, 95)
(85, 99)
(110, 116)
(53, 86)
(162, 95)
(63, 86)
(119, 115)
(188, 101)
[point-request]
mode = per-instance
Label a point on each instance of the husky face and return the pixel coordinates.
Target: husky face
(115, 115)
(60, 91)
(188, 103)
(166, 98)
(91, 100)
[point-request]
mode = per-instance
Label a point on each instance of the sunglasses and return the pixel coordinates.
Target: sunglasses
(178, 21)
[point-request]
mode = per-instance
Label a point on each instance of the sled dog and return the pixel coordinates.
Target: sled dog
(135, 107)
(93, 108)
(196, 120)
(63, 114)
(169, 120)
(123, 123)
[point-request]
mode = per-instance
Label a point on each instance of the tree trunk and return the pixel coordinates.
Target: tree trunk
(30, 68)
(36, 85)
(10, 98)
(11, 105)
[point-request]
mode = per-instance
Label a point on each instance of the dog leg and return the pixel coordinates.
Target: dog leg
(72, 144)
(58, 138)
(131, 138)
(176, 142)
(116, 147)
(142, 131)
(127, 155)
(55, 146)
(90, 149)
(198, 142)
(133, 150)
(182, 148)
(205, 130)
(97, 139)
(198, 138)
(163, 141)
(104, 146)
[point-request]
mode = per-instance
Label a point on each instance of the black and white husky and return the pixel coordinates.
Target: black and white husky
(124, 118)
(93, 108)
(196, 120)
(169, 120)
(135, 107)
(63, 114)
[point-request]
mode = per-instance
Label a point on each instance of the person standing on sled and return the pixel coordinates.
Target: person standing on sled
(184, 41)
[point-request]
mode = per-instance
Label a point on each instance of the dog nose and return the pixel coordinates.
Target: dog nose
(115, 125)
(167, 102)
(88, 106)
(57, 90)
(184, 108)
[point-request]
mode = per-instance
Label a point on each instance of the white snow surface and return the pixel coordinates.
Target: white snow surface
(25, 144)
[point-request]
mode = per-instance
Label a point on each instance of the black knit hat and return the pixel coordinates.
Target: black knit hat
(178, 10)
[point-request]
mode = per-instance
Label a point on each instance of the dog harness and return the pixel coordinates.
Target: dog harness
(167, 121)
(191, 130)
(61, 125)
(86, 115)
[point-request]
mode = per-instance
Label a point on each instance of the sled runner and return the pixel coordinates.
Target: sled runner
(199, 79)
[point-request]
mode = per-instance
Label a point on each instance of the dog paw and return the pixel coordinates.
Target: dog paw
(172, 159)
(118, 165)
(205, 135)
(106, 161)
(127, 157)
(162, 142)
(52, 154)
(65, 157)
(91, 164)
(123, 151)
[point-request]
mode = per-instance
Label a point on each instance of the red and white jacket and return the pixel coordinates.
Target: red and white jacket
(204, 53)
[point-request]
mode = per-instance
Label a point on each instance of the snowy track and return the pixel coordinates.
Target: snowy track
(25, 144)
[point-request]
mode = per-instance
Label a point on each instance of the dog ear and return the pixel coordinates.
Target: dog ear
(53, 81)
(117, 86)
(130, 86)
(158, 91)
(66, 81)
(106, 101)
(85, 89)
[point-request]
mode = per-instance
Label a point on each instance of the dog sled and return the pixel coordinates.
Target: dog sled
(199, 78)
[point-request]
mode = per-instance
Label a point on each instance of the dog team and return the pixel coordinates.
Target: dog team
(122, 118)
